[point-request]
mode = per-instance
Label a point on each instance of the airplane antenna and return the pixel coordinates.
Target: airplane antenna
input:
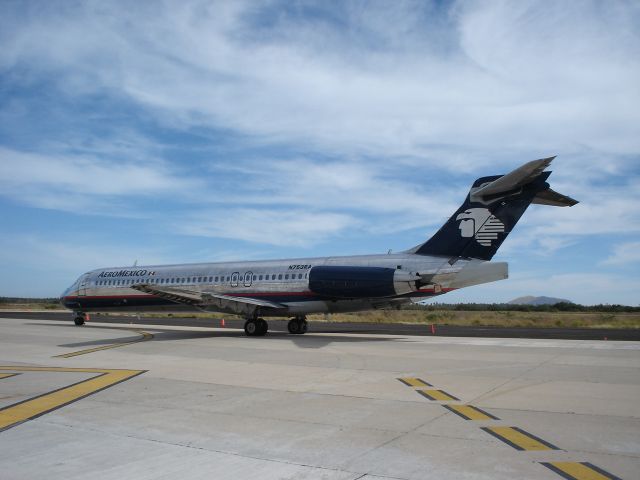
(135, 264)
(389, 252)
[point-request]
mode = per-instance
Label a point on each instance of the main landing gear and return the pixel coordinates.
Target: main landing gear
(256, 327)
(298, 326)
(80, 318)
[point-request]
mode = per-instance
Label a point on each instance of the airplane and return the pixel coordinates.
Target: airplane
(458, 255)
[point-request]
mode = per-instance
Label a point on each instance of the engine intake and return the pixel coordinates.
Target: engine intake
(361, 282)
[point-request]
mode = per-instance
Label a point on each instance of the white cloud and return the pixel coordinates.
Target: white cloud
(275, 227)
(440, 92)
(624, 254)
(523, 76)
(85, 184)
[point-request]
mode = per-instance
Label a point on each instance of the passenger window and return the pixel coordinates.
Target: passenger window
(260, 277)
(280, 277)
(255, 277)
(286, 277)
(299, 276)
(273, 277)
(216, 280)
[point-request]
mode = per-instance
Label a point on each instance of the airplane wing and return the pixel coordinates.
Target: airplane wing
(208, 300)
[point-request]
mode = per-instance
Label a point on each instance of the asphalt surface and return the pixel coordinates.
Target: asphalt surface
(364, 328)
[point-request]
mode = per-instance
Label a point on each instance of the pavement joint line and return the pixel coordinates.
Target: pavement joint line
(579, 471)
(34, 407)
(145, 336)
(224, 452)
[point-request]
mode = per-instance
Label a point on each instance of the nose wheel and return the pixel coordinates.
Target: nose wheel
(298, 326)
(80, 318)
(257, 327)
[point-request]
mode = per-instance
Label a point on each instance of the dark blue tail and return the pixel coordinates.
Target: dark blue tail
(491, 210)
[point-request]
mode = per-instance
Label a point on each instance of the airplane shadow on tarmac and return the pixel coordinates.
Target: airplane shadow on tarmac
(317, 340)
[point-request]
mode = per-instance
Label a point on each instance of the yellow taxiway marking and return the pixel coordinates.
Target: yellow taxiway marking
(438, 395)
(144, 336)
(469, 412)
(414, 382)
(579, 471)
(29, 409)
(7, 375)
(519, 439)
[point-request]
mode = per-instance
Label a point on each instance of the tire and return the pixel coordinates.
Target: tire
(78, 321)
(304, 326)
(251, 328)
(294, 327)
(263, 326)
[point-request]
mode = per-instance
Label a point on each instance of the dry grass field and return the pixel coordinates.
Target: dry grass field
(426, 317)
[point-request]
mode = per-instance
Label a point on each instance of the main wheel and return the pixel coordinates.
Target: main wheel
(251, 328)
(263, 326)
(304, 326)
(78, 320)
(293, 326)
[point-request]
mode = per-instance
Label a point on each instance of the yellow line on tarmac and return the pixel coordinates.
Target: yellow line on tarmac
(414, 382)
(143, 338)
(29, 409)
(469, 412)
(438, 395)
(7, 375)
(519, 439)
(579, 471)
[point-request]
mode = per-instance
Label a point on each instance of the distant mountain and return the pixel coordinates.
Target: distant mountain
(530, 300)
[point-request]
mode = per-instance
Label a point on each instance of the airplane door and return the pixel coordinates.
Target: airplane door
(234, 279)
(82, 288)
(247, 279)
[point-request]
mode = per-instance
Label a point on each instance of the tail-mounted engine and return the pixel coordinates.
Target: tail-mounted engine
(361, 282)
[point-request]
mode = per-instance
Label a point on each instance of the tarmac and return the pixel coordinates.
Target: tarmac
(107, 401)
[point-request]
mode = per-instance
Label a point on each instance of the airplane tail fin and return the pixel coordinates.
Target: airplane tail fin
(491, 210)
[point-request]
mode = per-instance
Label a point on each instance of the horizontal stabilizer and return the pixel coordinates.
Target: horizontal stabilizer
(473, 274)
(553, 198)
(515, 179)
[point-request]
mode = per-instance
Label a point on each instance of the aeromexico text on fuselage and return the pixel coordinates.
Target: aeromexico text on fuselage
(126, 273)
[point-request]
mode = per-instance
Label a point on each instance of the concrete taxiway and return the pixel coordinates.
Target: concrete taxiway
(153, 402)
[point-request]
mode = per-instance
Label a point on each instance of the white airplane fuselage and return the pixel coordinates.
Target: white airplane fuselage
(284, 282)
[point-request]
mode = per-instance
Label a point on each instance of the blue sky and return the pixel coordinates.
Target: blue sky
(169, 132)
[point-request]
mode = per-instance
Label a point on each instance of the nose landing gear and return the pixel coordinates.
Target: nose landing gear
(298, 326)
(80, 318)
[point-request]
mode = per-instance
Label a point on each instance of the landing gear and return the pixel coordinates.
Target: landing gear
(257, 327)
(80, 318)
(298, 326)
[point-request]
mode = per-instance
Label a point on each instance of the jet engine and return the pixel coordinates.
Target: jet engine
(361, 282)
